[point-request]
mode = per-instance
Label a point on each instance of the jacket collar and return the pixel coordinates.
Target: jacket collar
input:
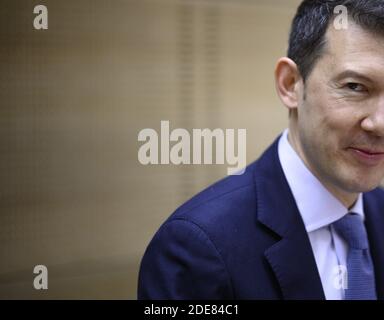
(291, 258)
(374, 212)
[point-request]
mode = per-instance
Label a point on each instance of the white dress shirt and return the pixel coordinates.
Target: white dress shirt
(318, 209)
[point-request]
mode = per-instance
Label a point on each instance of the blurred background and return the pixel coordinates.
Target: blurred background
(73, 98)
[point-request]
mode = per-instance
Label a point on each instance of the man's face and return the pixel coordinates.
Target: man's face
(340, 122)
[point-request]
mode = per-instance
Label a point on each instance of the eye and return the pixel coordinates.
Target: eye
(356, 87)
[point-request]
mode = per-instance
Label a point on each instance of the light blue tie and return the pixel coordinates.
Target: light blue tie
(361, 278)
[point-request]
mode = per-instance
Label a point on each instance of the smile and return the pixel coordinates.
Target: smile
(367, 157)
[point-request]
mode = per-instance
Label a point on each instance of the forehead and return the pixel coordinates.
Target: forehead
(354, 48)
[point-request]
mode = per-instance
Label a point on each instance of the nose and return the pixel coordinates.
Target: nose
(374, 121)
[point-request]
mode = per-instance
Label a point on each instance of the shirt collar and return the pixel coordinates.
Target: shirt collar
(317, 206)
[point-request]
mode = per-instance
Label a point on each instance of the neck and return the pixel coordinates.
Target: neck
(346, 198)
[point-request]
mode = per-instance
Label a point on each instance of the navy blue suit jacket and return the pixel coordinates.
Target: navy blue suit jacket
(243, 238)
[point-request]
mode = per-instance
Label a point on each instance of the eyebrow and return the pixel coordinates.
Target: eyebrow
(352, 74)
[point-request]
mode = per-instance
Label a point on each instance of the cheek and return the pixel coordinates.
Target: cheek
(340, 114)
(315, 123)
(335, 119)
(324, 133)
(341, 127)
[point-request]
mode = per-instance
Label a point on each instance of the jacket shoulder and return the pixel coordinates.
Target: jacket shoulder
(223, 199)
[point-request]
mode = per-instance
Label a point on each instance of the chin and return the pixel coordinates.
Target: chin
(357, 180)
(362, 186)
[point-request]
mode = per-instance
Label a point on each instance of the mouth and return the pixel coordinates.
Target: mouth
(367, 157)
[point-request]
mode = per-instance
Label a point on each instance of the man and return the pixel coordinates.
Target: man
(306, 220)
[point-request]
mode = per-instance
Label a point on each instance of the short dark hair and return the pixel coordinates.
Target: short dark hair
(307, 37)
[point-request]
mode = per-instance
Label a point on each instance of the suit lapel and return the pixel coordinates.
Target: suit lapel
(291, 259)
(374, 213)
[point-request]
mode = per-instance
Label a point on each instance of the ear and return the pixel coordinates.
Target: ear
(287, 81)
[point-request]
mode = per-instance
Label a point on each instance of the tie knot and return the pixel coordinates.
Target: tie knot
(351, 228)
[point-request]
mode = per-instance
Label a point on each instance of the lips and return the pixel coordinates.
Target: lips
(368, 151)
(368, 156)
